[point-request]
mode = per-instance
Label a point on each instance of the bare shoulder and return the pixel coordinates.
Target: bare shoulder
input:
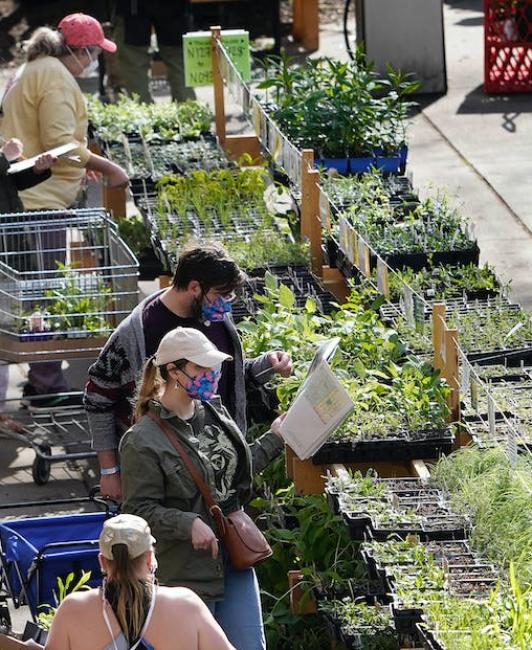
(81, 599)
(182, 596)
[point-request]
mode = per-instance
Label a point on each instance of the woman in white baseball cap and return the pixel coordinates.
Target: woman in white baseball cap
(178, 394)
(129, 611)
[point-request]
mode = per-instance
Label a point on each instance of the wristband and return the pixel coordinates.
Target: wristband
(107, 471)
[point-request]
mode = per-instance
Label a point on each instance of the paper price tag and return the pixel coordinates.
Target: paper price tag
(491, 416)
(419, 311)
(383, 284)
(353, 255)
(474, 394)
(408, 301)
(363, 257)
(276, 147)
(264, 121)
(325, 210)
(256, 111)
(344, 236)
(511, 447)
(466, 376)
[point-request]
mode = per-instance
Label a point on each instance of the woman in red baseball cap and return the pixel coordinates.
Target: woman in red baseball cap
(43, 106)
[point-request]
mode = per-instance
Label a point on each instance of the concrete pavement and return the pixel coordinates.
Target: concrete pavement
(474, 146)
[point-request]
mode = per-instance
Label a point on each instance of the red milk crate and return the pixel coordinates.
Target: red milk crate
(508, 46)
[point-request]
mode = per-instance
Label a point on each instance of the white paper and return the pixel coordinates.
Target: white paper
(30, 162)
(319, 408)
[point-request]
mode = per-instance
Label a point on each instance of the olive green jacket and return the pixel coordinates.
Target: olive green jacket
(158, 487)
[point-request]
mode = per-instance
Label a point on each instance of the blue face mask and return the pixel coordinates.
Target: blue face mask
(215, 311)
(202, 386)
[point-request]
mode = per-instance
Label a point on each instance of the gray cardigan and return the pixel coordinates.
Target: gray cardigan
(110, 390)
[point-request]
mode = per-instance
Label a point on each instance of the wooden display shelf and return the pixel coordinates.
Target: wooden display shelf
(16, 351)
(310, 479)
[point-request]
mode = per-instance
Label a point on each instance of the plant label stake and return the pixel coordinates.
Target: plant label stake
(474, 394)
(408, 301)
(325, 210)
(491, 415)
(466, 376)
(354, 256)
(511, 449)
(383, 283)
(343, 228)
(363, 258)
(419, 312)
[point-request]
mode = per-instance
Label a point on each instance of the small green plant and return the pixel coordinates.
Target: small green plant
(68, 586)
(339, 109)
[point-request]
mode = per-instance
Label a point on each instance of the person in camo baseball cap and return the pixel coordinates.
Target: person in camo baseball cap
(81, 30)
(130, 530)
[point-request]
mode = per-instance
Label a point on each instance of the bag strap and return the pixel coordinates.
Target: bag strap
(204, 489)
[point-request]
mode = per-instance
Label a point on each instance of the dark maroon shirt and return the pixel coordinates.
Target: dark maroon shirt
(158, 320)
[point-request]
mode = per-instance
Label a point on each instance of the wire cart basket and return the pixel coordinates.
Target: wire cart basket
(67, 279)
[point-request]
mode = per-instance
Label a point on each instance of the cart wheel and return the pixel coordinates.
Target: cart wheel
(5, 619)
(40, 470)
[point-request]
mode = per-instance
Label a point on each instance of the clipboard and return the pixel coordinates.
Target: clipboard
(28, 163)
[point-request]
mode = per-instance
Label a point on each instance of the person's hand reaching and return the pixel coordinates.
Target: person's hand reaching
(44, 162)
(13, 149)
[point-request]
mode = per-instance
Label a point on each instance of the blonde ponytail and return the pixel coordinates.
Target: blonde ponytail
(132, 594)
(149, 388)
(45, 42)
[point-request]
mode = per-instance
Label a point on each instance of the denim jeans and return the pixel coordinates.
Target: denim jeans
(239, 613)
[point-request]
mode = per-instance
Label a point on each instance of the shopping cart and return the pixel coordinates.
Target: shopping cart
(36, 551)
(67, 280)
(47, 431)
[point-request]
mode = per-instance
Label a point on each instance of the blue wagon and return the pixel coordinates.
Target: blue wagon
(35, 551)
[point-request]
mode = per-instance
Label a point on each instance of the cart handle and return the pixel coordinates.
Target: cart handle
(111, 507)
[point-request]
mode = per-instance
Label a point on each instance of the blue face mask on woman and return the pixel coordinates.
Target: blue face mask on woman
(203, 386)
(215, 311)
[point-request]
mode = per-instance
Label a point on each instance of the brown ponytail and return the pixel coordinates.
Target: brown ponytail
(149, 388)
(153, 379)
(133, 594)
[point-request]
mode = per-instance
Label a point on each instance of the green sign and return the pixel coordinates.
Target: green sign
(198, 57)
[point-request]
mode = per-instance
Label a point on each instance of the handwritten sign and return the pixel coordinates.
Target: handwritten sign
(198, 55)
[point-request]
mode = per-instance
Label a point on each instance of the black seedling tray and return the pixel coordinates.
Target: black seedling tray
(399, 447)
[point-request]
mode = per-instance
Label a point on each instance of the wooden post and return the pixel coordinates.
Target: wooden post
(438, 325)
(306, 23)
(451, 373)
(297, 19)
(218, 86)
(300, 603)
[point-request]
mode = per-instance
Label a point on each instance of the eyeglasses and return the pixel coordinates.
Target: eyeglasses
(229, 297)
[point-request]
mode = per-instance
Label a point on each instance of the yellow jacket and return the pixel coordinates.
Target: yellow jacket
(44, 107)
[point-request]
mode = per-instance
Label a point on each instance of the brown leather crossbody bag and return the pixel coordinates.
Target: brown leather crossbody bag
(243, 541)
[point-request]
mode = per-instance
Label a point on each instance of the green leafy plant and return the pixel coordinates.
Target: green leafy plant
(339, 109)
(499, 497)
(77, 304)
(68, 586)
(166, 120)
